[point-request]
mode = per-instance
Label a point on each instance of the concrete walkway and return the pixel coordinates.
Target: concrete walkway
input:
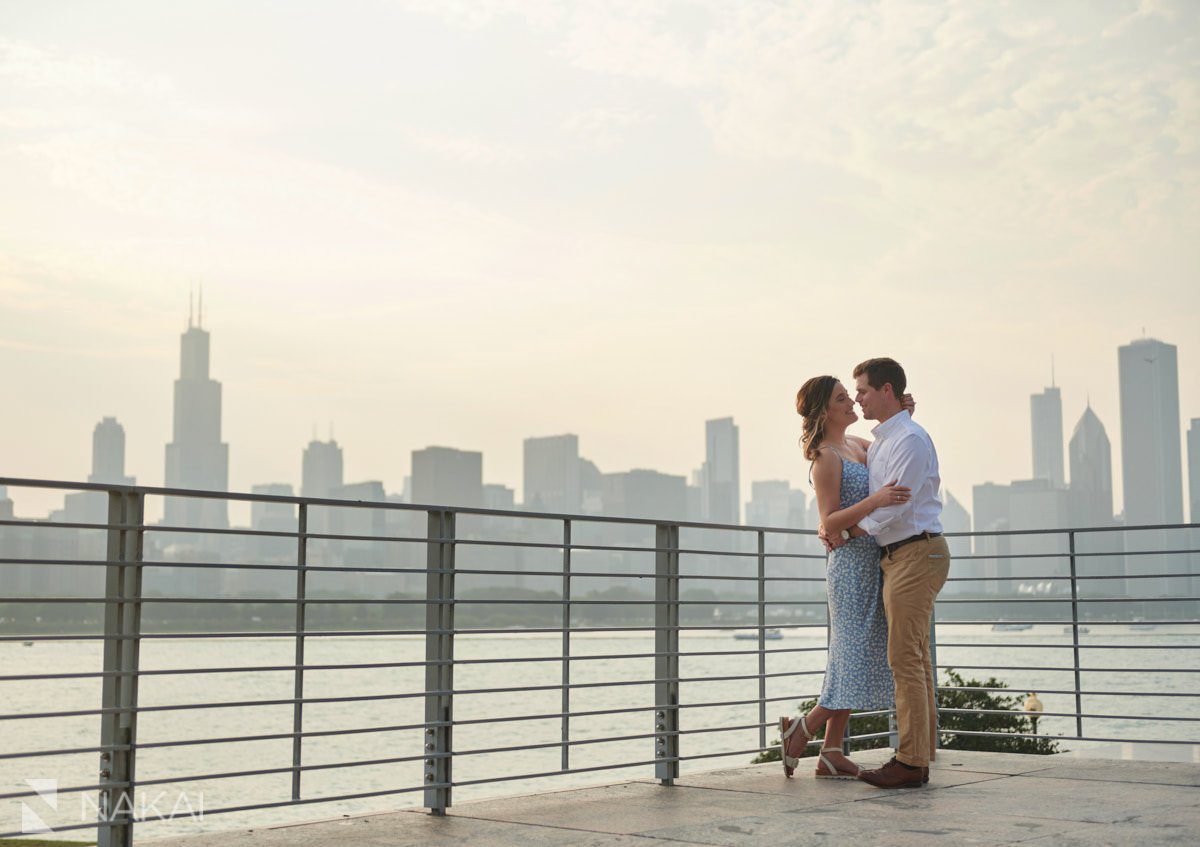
(972, 798)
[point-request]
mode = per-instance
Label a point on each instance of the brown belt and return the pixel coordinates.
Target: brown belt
(889, 549)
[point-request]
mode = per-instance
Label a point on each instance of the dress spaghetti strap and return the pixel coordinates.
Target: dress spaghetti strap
(836, 452)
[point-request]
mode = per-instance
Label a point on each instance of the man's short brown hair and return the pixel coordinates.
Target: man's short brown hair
(881, 372)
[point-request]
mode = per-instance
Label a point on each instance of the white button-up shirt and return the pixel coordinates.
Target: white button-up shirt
(904, 452)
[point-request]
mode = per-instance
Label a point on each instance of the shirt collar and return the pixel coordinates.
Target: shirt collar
(893, 424)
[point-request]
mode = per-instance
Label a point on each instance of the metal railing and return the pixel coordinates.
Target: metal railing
(125, 565)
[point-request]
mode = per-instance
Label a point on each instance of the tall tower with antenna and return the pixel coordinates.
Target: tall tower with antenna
(196, 456)
(1047, 430)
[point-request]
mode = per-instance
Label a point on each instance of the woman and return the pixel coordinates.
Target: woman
(857, 675)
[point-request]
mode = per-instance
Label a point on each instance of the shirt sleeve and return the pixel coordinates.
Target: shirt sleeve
(909, 466)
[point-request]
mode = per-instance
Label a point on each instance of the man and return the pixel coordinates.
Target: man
(915, 561)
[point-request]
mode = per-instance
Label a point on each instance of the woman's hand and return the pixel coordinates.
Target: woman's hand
(890, 495)
(908, 404)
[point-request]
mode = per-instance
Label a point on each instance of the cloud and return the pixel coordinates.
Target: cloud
(464, 149)
(50, 70)
(603, 126)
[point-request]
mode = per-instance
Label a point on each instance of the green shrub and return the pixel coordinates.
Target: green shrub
(1014, 723)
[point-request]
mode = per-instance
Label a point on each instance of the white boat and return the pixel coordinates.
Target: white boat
(771, 634)
(1082, 630)
(1011, 627)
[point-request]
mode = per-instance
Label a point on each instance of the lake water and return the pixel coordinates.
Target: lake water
(800, 678)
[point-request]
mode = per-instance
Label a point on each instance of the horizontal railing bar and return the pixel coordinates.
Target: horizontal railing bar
(277, 736)
(238, 566)
(560, 772)
(552, 716)
(1067, 599)
(322, 601)
(171, 780)
(559, 602)
(19, 482)
(250, 634)
(284, 702)
(1073, 691)
(410, 727)
(1069, 645)
(1066, 554)
(1078, 578)
(557, 744)
(291, 633)
(1069, 737)
(67, 751)
(1089, 716)
(289, 568)
(709, 705)
(13, 795)
(377, 665)
(1065, 668)
(1067, 622)
(401, 696)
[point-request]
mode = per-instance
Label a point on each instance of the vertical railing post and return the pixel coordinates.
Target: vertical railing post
(935, 739)
(1075, 637)
(439, 660)
(566, 646)
(666, 649)
(762, 640)
(301, 611)
(119, 690)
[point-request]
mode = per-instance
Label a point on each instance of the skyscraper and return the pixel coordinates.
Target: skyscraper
(321, 476)
(321, 469)
(770, 503)
(991, 505)
(108, 465)
(443, 476)
(552, 481)
(722, 476)
(1091, 472)
(1193, 442)
(955, 518)
(196, 457)
(1046, 417)
(108, 453)
(643, 493)
(1151, 464)
(1092, 505)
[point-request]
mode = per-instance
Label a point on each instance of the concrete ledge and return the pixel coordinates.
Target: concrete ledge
(972, 798)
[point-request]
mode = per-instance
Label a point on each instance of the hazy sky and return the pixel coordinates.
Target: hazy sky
(462, 223)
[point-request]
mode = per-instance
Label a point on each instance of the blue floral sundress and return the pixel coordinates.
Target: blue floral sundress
(857, 675)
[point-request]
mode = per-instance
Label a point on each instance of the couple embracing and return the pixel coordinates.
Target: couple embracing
(880, 521)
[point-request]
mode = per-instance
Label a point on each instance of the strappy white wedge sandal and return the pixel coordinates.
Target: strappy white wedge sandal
(827, 770)
(787, 728)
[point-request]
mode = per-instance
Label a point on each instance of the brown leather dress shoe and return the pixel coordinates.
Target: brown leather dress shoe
(894, 775)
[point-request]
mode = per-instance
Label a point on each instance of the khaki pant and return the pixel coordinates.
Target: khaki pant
(912, 578)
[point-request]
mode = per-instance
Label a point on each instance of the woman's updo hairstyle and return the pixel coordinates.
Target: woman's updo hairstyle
(812, 404)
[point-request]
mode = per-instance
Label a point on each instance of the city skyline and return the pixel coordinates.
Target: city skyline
(553, 466)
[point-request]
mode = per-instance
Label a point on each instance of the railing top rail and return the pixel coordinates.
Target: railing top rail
(241, 496)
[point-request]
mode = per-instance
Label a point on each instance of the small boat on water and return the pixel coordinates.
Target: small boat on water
(1082, 630)
(27, 643)
(1142, 627)
(1011, 627)
(771, 634)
